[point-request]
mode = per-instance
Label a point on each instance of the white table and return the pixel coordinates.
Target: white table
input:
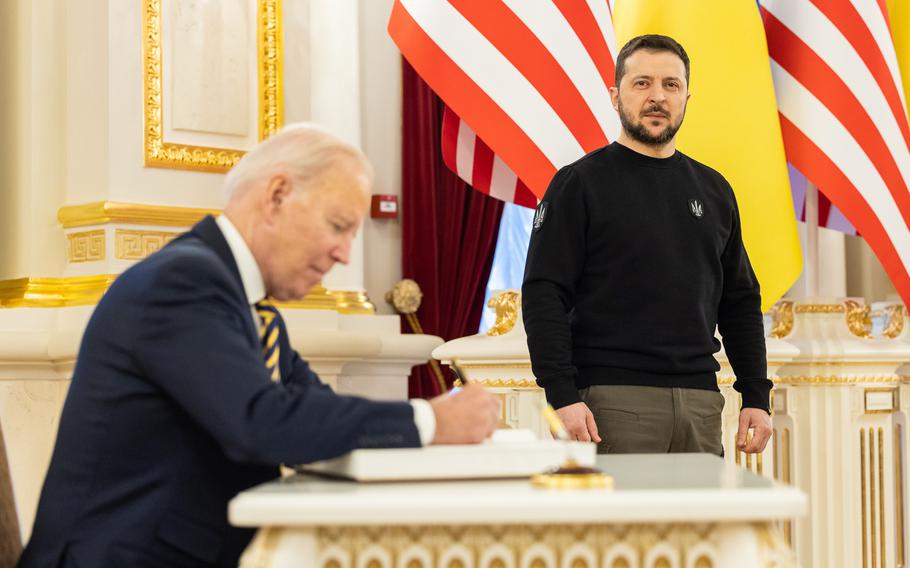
(666, 511)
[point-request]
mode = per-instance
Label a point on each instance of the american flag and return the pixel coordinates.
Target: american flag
(843, 115)
(526, 85)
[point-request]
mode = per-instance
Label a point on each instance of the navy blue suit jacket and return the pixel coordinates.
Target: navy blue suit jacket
(171, 413)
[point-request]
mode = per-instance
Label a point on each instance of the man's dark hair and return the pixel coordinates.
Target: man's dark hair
(651, 42)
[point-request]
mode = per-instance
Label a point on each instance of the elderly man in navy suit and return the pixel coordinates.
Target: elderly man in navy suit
(186, 390)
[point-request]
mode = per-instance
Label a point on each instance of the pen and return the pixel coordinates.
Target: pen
(459, 374)
(556, 425)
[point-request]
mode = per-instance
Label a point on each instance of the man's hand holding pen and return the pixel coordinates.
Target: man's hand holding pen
(465, 417)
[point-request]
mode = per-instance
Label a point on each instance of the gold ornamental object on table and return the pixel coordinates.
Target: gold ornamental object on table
(405, 297)
(570, 475)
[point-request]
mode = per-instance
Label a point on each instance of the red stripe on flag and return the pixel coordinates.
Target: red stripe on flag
(582, 20)
(815, 164)
(791, 53)
(450, 123)
(851, 25)
(531, 58)
(524, 196)
(483, 166)
(469, 101)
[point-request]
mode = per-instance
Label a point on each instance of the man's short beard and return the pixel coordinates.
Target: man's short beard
(639, 133)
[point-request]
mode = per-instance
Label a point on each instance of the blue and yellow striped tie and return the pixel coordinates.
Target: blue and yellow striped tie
(268, 335)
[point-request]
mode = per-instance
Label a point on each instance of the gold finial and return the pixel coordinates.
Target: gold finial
(506, 305)
(405, 297)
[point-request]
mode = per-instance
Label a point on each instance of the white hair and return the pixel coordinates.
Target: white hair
(303, 151)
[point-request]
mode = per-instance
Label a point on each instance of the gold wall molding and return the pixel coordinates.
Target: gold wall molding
(271, 91)
(820, 308)
(103, 212)
(162, 154)
(87, 290)
(823, 380)
(352, 302)
(898, 458)
(86, 246)
(53, 292)
(136, 245)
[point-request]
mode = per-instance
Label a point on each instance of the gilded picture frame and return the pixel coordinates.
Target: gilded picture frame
(158, 152)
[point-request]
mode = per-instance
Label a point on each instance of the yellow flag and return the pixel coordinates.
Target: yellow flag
(731, 122)
(899, 14)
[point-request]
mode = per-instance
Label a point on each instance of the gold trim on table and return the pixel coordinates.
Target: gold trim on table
(102, 212)
(507, 383)
(161, 154)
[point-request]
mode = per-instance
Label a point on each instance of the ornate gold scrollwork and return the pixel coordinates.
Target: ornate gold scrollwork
(506, 305)
(896, 315)
(859, 321)
(782, 319)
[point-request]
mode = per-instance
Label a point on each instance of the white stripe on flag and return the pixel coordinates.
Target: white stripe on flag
(815, 120)
(871, 13)
(548, 24)
(502, 181)
(464, 152)
(817, 31)
(499, 79)
(605, 22)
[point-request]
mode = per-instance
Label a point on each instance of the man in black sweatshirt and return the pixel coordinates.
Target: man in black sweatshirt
(636, 256)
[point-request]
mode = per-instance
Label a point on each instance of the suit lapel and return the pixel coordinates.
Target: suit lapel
(208, 232)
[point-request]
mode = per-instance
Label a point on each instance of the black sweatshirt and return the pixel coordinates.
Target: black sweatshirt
(632, 263)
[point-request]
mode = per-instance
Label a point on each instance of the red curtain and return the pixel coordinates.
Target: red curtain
(448, 230)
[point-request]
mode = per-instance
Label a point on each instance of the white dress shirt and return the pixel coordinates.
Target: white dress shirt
(254, 286)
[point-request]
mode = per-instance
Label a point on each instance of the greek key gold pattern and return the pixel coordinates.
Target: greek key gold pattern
(161, 154)
(86, 246)
(136, 245)
(534, 546)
